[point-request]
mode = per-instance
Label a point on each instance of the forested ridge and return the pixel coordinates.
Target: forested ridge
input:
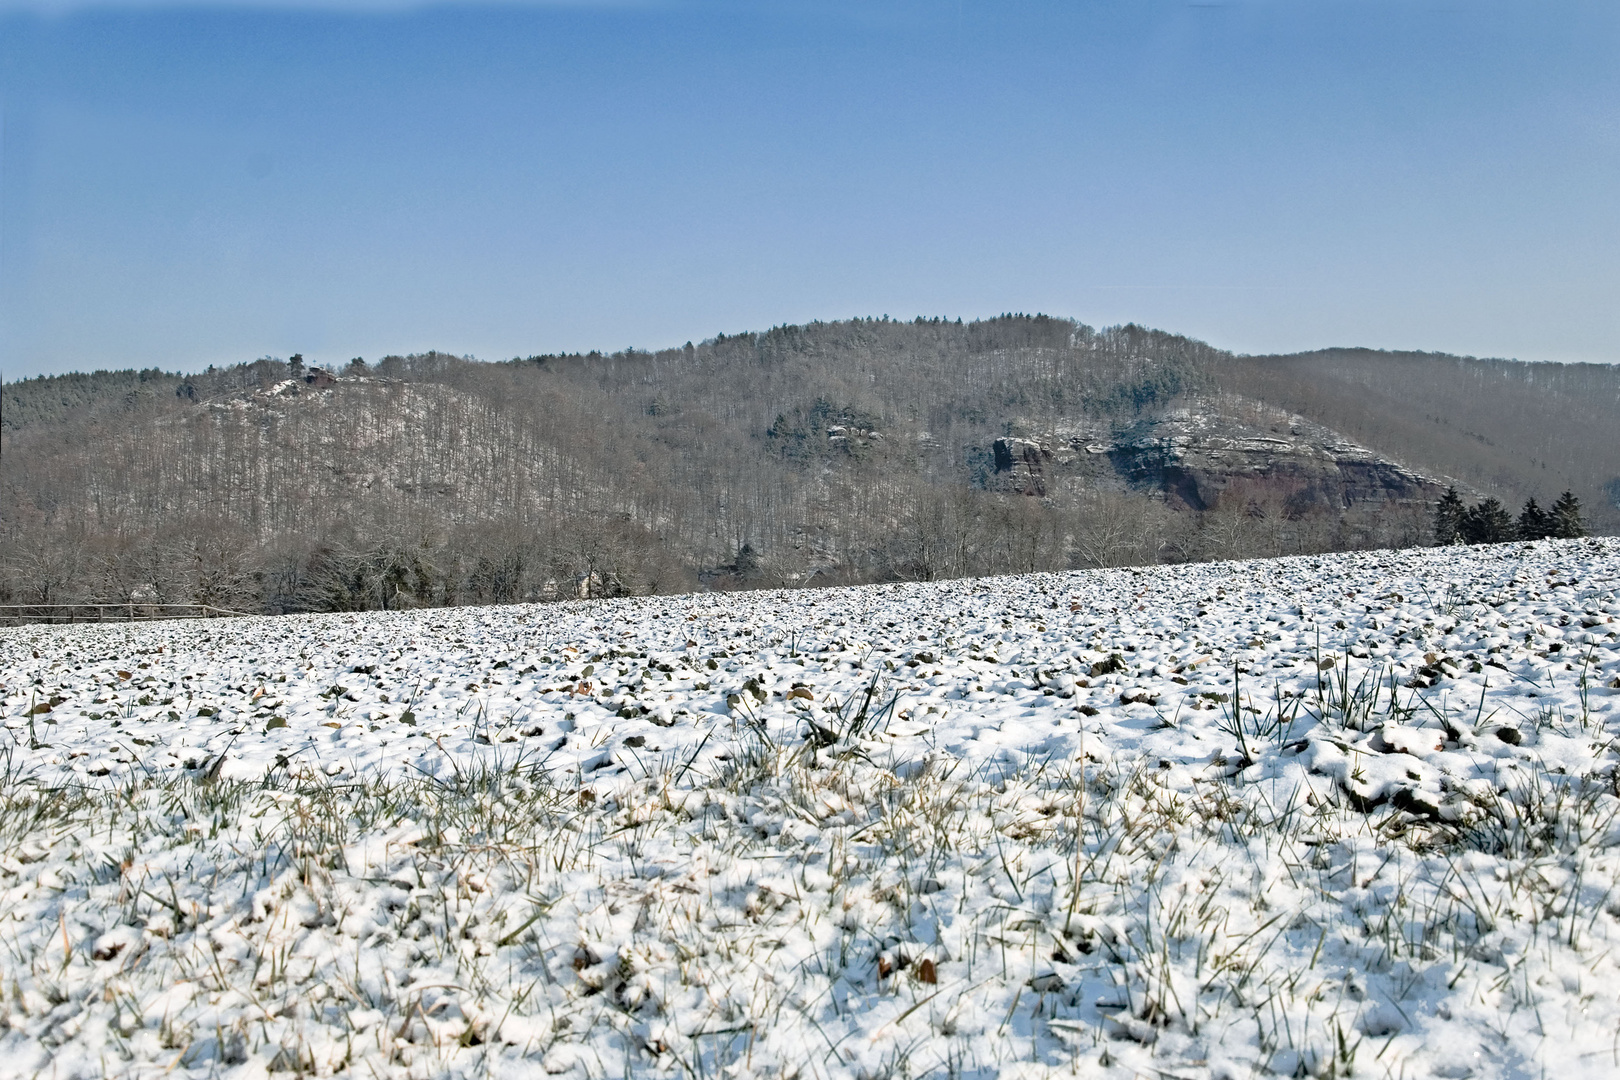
(862, 450)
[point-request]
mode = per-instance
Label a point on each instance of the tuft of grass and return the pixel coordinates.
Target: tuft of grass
(801, 907)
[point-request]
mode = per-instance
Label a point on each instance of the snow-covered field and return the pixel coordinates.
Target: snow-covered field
(1347, 815)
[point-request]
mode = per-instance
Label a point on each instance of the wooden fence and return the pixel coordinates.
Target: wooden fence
(108, 611)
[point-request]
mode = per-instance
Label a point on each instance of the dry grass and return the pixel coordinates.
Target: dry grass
(804, 910)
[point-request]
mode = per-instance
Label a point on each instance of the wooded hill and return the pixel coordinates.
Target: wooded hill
(818, 454)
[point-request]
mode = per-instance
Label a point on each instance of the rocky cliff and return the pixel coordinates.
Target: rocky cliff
(1197, 454)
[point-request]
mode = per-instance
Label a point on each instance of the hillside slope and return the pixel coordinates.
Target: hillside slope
(839, 452)
(1499, 427)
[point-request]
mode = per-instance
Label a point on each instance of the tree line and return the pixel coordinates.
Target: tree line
(1489, 522)
(827, 453)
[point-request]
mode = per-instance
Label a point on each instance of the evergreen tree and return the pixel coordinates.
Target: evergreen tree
(1448, 515)
(1487, 523)
(1566, 521)
(1534, 522)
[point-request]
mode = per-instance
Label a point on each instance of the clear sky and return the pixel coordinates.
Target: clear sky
(211, 183)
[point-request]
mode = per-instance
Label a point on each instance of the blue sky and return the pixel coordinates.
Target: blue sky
(206, 184)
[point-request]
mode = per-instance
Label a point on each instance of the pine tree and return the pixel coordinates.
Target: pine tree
(1534, 522)
(1566, 523)
(1448, 515)
(1487, 523)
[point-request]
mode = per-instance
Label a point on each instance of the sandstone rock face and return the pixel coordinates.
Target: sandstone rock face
(1023, 462)
(1195, 457)
(1196, 454)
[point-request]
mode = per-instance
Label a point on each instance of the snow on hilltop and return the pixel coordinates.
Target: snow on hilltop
(1330, 816)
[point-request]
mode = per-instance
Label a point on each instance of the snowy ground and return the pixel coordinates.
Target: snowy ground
(1348, 815)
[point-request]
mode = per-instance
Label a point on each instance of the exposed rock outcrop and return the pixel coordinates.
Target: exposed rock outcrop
(1022, 463)
(1194, 457)
(1195, 454)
